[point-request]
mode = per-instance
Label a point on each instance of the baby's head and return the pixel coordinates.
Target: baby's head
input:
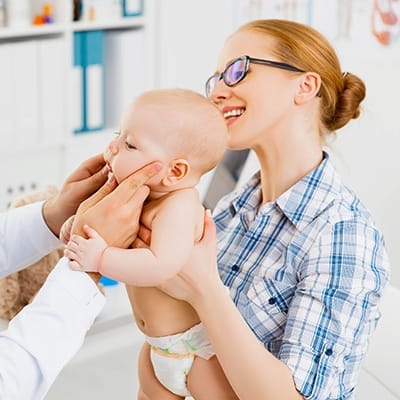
(178, 127)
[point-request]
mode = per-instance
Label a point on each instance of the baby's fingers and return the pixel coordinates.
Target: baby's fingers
(76, 240)
(75, 266)
(69, 253)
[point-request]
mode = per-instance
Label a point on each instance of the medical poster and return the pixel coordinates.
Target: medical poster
(366, 23)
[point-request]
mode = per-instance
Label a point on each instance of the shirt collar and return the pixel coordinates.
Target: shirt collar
(312, 194)
(305, 200)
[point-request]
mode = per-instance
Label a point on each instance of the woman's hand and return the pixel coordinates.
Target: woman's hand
(200, 272)
(83, 182)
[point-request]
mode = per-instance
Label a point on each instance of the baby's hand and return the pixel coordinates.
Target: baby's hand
(65, 231)
(85, 254)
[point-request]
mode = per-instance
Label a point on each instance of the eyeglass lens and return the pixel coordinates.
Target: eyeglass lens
(232, 74)
(235, 72)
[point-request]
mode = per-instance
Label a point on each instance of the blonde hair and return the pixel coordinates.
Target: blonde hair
(307, 49)
(194, 127)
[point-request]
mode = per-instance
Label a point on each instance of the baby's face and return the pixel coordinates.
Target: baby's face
(135, 146)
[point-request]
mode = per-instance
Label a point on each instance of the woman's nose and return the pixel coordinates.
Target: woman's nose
(220, 93)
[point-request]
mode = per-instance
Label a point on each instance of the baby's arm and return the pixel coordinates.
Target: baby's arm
(85, 254)
(172, 239)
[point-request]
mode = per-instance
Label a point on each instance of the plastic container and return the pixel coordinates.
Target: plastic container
(107, 281)
(2, 13)
(18, 13)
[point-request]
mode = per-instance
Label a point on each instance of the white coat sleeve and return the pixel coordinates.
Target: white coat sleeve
(24, 238)
(46, 334)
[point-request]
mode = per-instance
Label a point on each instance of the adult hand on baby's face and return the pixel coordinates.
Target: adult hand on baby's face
(114, 211)
(200, 271)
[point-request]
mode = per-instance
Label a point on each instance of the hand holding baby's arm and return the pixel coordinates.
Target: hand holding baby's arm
(85, 254)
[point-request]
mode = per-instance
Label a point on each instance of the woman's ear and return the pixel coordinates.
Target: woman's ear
(308, 88)
(177, 170)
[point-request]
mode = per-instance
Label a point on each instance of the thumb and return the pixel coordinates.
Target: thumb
(106, 189)
(209, 233)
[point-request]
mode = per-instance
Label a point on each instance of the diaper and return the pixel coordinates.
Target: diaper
(172, 356)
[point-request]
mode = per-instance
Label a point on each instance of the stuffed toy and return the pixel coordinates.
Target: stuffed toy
(18, 289)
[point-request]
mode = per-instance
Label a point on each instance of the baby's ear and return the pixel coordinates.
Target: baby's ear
(177, 170)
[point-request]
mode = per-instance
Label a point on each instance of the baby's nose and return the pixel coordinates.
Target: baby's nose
(113, 147)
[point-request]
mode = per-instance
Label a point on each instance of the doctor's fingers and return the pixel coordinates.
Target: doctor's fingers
(99, 195)
(88, 168)
(126, 190)
(116, 195)
(143, 238)
(139, 244)
(84, 181)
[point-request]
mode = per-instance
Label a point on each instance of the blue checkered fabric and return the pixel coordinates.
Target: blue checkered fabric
(306, 271)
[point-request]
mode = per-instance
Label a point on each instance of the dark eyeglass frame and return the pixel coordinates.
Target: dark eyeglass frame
(247, 60)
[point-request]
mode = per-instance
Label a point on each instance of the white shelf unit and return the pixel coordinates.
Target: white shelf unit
(37, 100)
(33, 31)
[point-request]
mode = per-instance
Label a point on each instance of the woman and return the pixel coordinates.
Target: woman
(304, 263)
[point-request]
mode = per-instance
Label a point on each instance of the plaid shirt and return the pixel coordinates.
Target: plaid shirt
(306, 271)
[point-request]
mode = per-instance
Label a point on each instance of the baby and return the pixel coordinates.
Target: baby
(188, 134)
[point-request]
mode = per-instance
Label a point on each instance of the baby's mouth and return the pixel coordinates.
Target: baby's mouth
(110, 174)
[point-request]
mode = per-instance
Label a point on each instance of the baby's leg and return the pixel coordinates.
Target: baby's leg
(206, 380)
(149, 386)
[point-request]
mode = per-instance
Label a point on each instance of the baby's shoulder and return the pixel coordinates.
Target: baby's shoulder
(176, 202)
(184, 197)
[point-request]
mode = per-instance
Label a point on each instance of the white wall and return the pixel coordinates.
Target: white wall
(366, 151)
(190, 34)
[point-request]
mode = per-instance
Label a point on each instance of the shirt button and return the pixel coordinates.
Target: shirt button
(328, 352)
(272, 300)
(235, 268)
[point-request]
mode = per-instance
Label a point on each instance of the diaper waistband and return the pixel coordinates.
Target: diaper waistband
(166, 353)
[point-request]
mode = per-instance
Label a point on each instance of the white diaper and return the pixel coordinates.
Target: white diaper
(172, 356)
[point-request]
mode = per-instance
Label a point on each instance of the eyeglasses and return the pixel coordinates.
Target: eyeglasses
(237, 70)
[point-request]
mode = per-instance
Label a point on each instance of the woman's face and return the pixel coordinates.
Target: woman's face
(259, 107)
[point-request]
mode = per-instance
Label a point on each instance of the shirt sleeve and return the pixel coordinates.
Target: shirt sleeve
(46, 334)
(335, 309)
(24, 238)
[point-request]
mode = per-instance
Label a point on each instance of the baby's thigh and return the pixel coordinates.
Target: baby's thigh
(150, 387)
(206, 380)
